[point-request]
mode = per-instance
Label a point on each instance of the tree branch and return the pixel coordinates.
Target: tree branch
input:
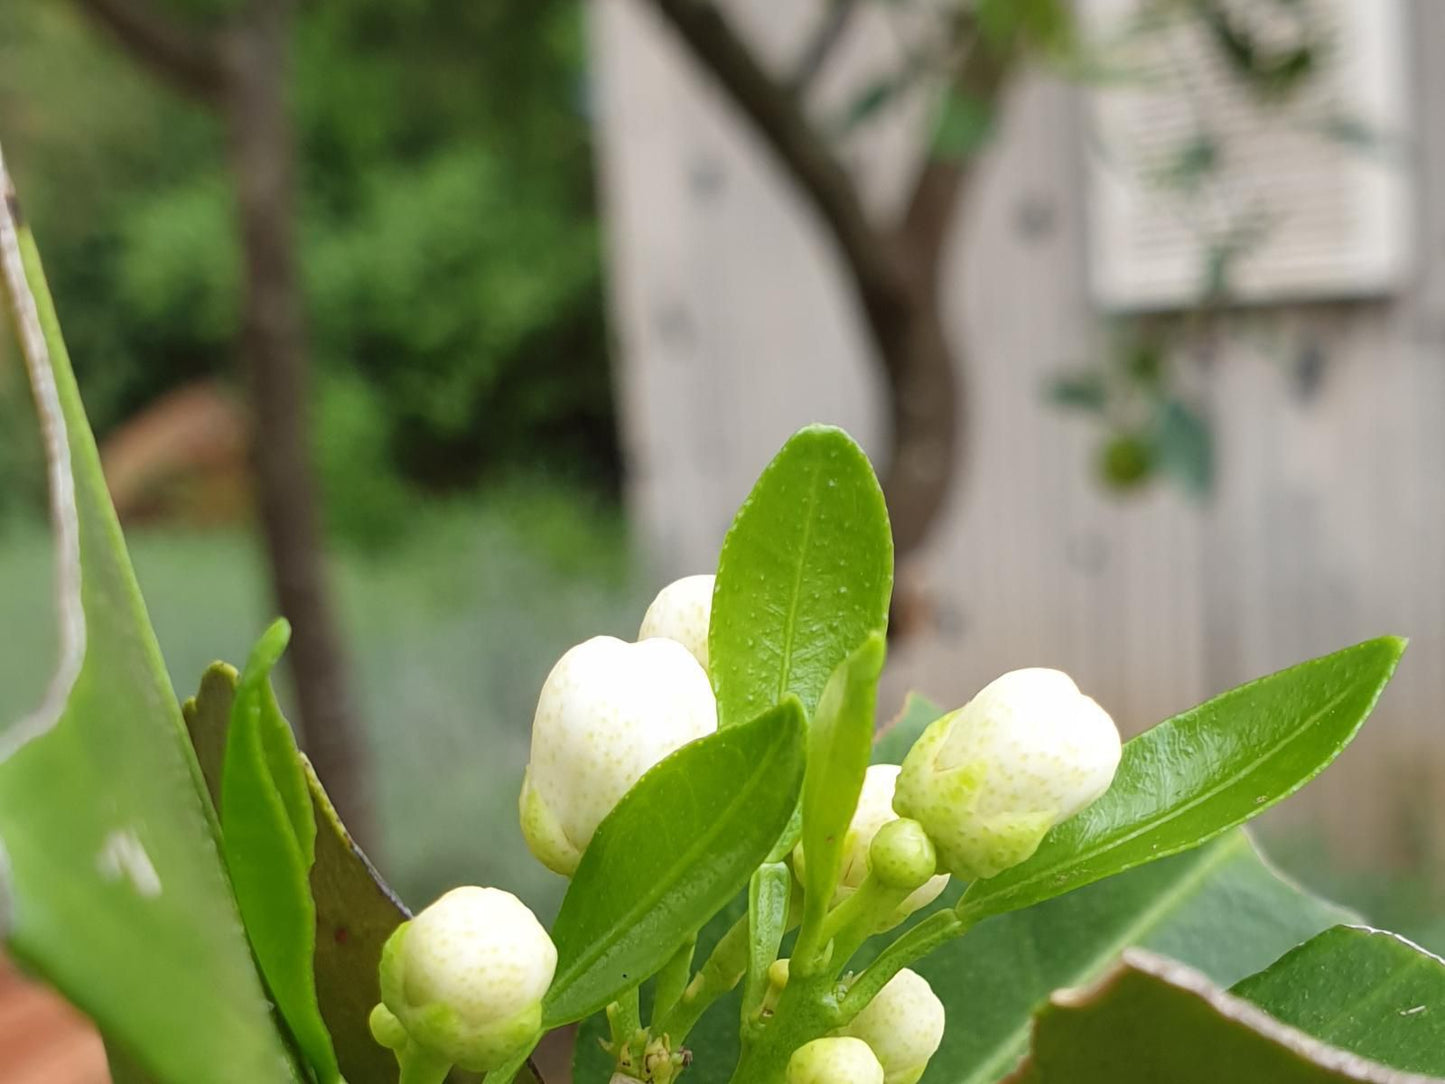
(191, 61)
(830, 31)
(779, 119)
(942, 181)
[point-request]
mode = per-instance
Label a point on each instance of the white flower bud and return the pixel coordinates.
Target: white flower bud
(682, 611)
(834, 1060)
(875, 809)
(988, 781)
(609, 711)
(465, 978)
(902, 1025)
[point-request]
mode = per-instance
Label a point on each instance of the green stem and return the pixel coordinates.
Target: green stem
(672, 979)
(805, 1012)
(624, 1017)
(421, 1066)
(809, 951)
(724, 970)
(918, 942)
(858, 918)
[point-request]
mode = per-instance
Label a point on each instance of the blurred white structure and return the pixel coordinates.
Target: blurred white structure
(1328, 523)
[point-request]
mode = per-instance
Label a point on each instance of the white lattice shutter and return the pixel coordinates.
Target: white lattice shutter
(1317, 216)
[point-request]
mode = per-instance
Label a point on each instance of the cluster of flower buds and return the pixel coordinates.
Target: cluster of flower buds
(462, 982)
(899, 850)
(902, 1025)
(834, 1060)
(608, 712)
(989, 780)
(890, 1042)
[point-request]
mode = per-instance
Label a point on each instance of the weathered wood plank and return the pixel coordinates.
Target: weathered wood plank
(1329, 521)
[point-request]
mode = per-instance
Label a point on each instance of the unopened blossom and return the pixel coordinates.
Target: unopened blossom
(835, 1060)
(902, 1025)
(989, 780)
(464, 979)
(609, 710)
(682, 611)
(875, 809)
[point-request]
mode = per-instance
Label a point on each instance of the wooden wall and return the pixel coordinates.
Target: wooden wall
(1328, 525)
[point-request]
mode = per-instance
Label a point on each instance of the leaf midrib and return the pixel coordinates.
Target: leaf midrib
(791, 622)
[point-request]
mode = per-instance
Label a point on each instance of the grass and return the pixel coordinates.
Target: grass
(450, 636)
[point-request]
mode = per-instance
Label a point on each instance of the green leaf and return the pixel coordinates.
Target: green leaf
(1185, 447)
(208, 720)
(839, 744)
(964, 127)
(355, 913)
(269, 838)
(355, 910)
(681, 844)
(114, 887)
(1199, 774)
(1086, 391)
(1152, 1019)
(804, 576)
(1218, 908)
(1369, 992)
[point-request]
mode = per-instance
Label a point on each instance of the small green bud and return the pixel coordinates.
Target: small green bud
(902, 855)
(902, 1025)
(834, 1060)
(988, 781)
(682, 611)
(608, 712)
(464, 979)
(386, 1029)
(874, 811)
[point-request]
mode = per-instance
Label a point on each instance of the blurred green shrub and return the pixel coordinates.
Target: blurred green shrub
(447, 228)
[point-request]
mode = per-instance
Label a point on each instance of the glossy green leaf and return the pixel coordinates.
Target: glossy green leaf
(840, 742)
(269, 838)
(1151, 1019)
(113, 884)
(1201, 773)
(355, 910)
(681, 844)
(1366, 991)
(1218, 908)
(804, 576)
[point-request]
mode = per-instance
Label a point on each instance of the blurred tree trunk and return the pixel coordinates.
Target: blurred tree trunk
(241, 70)
(895, 266)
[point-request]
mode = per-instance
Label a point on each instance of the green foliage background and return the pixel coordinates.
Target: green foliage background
(448, 238)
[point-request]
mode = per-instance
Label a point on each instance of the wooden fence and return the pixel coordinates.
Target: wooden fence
(1328, 523)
